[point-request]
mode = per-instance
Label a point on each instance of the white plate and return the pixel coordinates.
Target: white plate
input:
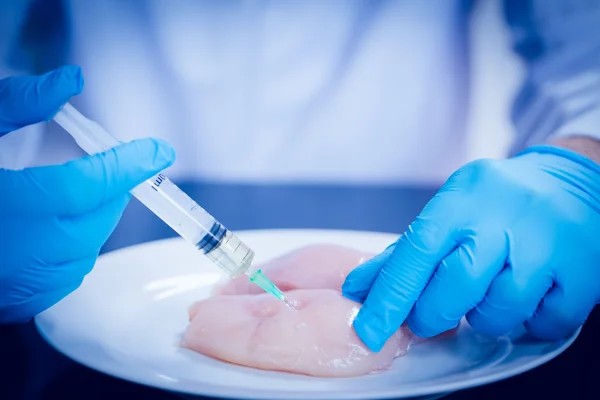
(127, 318)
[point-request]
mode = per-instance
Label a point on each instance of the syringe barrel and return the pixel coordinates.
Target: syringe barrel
(194, 224)
(166, 200)
(232, 255)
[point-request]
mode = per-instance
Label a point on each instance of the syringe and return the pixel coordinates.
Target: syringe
(174, 207)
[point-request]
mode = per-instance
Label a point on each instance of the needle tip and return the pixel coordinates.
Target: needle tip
(288, 303)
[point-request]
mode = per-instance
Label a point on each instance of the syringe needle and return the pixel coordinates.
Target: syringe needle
(287, 302)
(258, 278)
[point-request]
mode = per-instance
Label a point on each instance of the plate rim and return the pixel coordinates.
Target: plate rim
(224, 392)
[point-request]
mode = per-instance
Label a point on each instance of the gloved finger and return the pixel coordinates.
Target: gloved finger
(429, 239)
(511, 300)
(459, 284)
(84, 184)
(26, 100)
(56, 240)
(22, 311)
(82, 235)
(358, 283)
(43, 276)
(560, 313)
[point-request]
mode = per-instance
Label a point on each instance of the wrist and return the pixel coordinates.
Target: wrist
(582, 151)
(568, 165)
(586, 146)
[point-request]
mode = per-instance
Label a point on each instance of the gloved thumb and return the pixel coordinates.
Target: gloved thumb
(84, 184)
(358, 283)
(29, 99)
(405, 273)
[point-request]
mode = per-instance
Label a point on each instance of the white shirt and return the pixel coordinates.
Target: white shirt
(319, 91)
(313, 91)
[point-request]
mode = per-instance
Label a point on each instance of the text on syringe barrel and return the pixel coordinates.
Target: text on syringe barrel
(175, 208)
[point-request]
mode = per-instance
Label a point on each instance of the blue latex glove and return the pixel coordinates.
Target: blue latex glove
(55, 219)
(504, 242)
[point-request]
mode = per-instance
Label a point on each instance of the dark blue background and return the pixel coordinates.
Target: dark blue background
(30, 369)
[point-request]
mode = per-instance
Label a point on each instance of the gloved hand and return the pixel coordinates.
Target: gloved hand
(504, 242)
(54, 219)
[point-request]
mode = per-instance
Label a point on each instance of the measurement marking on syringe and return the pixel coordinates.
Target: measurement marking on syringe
(160, 178)
(163, 179)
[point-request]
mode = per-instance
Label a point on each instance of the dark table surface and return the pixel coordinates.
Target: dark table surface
(31, 369)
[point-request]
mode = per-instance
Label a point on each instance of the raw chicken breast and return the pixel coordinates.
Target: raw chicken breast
(319, 266)
(314, 339)
(243, 325)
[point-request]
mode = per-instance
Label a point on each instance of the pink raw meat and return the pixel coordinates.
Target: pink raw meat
(243, 325)
(318, 266)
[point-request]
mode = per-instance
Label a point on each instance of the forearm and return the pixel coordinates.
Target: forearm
(560, 95)
(586, 146)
